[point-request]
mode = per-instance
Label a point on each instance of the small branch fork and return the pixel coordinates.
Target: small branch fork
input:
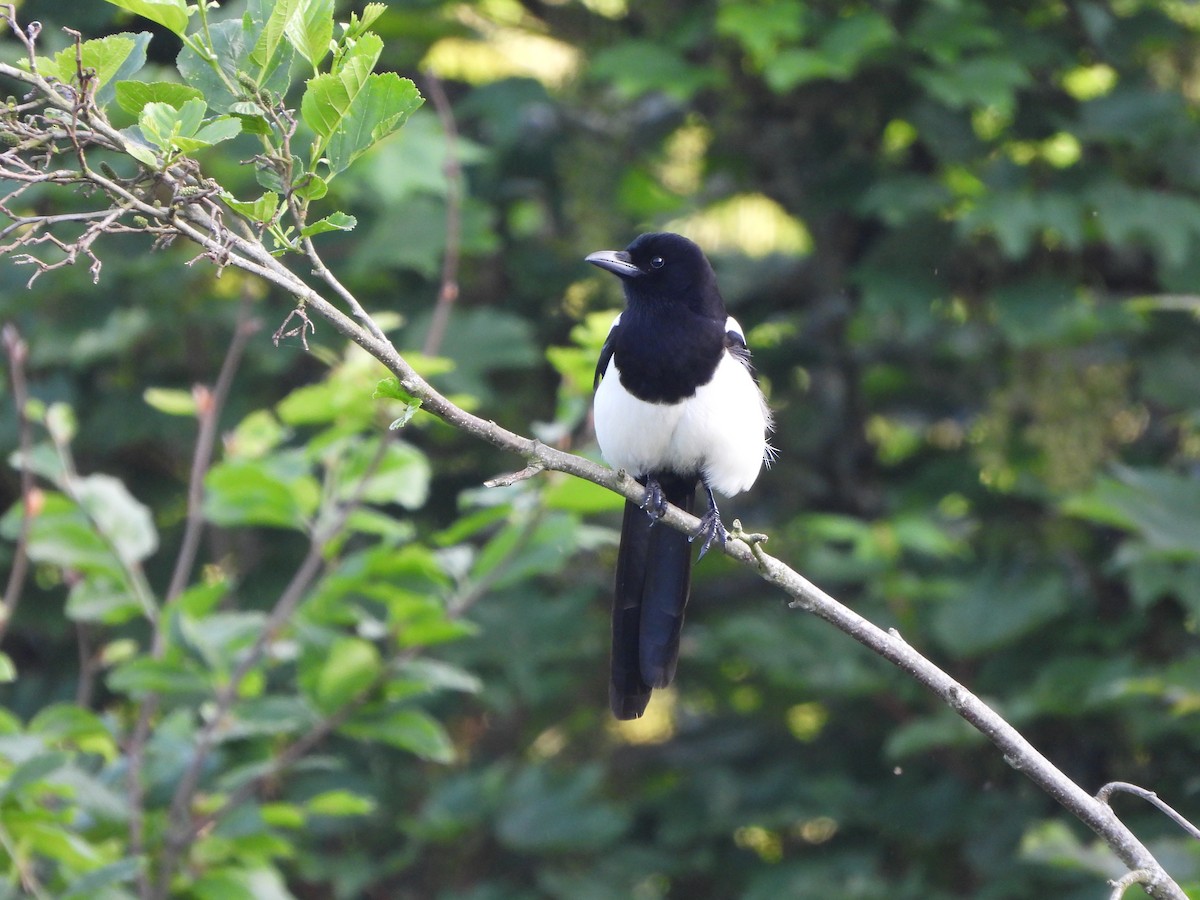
(1105, 794)
(55, 121)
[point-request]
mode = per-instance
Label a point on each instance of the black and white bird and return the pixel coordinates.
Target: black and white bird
(676, 406)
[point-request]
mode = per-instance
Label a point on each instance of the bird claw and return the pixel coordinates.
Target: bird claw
(711, 529)
(655, 504)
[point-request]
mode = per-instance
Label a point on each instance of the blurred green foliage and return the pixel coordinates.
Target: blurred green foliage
(963, 237)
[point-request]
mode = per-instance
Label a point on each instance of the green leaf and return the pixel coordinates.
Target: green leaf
(842, 50)
(271, 37)
(221, 637)
(311, 187)
(78, 728)
(352, 109)
(1053, 843)
(101, 599)
(131, 65)
(171, 14)
(413, 730)
(338, 221)
(60, 535)
(171, 677)
(8, 669)
(340, 803)
(405, 417)
(33, 770)
(139, 150)
(1162, 508)
(981, 81)
(214, 131)
(162, 123)
(171, 401)
(268, 716)
(390, 388)
(221, 88)
(350, 667)
(370, 13)
(60, 845)
(248, 492)
(365, 520)
(103, 55)
(999, 606)
(184, 128)
(310, 30)
(42, 460)
(261, 882)
(255, 436)
(97, 882)
(636, 67)
(547, 812)
(401, 476)
(132, 96)
(125, 522)
(252, 122)
(761, 29)
(435, 675)
(261, 210)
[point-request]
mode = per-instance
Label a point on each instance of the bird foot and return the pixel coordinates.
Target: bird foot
(655, 503)
(711, 529)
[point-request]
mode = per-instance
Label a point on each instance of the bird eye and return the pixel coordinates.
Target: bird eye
(656, 263)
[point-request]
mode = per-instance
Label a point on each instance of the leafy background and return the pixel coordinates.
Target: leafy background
(962, 237)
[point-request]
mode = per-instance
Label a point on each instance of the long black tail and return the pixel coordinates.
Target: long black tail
(654, 574)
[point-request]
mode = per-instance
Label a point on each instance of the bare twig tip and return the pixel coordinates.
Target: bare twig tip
(1150, 797)
(513, 477)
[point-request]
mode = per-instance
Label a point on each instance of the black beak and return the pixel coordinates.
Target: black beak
(616, 261)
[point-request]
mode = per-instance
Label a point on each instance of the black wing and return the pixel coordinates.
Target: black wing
(736, 345)
(606, 352)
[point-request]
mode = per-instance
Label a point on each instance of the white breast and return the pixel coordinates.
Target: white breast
(719, 433)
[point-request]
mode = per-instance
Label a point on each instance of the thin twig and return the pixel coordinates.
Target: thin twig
(18, 353)
(87, 666)
(514, 477)
(1126, 881)
(1105, 794)
(210, 405)
(448, 290)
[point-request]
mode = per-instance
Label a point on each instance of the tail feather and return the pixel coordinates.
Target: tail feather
(653, 581)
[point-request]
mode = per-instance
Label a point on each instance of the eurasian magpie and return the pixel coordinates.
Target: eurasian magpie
(676, 406)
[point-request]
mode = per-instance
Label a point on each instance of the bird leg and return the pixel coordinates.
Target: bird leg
(656, 501)
(711, 526)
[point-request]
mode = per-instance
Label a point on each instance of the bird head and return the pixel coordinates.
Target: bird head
(662, 266)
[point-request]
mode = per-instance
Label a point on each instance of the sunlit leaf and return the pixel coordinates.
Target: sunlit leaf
(338, 221)
(171, 401)
(413, 730)
(310, 30)
(340, 803)
(353, 108)
(171, 14)
(350, 666)
(246, 492)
